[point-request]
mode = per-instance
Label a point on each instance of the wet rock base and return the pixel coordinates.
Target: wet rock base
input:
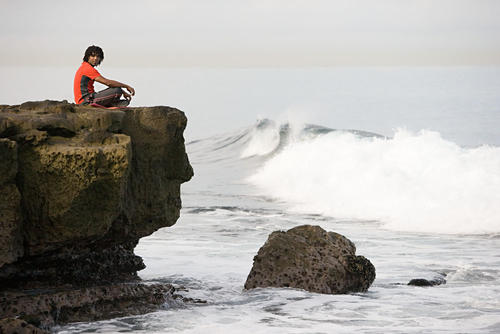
(427, 282)
(46, 308)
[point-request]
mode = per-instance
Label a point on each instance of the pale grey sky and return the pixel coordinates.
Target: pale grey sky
(179, 33)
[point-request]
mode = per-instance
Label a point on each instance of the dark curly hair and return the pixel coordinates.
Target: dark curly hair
(93, 51)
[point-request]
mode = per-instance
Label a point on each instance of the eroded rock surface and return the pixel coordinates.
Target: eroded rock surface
(79, 186)
(19, 326)
(45, 308)
(11, 240)
(310, 258)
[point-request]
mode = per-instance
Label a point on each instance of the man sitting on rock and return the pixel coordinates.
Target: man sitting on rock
(83, 86)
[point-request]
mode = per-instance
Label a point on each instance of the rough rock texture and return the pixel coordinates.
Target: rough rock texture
(79, 186)
(49, 307)
(309, 258)
(11, 241)
(18, 326)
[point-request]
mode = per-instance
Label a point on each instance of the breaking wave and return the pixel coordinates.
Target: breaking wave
(415, 182)
(264, 139)
(411, 182)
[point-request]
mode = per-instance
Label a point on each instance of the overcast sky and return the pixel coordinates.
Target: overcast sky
(179, 33)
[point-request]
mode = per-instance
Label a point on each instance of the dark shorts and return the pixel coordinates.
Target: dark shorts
(109, 97)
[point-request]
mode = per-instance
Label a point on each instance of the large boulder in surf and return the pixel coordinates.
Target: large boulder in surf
(310, 258)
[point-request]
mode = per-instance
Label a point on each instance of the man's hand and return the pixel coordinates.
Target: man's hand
(127, 96)
(130, 90)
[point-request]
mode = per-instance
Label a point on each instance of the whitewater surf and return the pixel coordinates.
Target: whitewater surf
(411, 182)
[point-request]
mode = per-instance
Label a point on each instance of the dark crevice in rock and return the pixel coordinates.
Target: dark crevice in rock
(57, 131)
(8, 132)
(79, 267)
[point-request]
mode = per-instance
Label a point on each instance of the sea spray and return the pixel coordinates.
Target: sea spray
(412, 182)
(264, 138)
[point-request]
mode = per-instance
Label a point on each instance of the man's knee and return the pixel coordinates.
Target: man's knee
(117, 90)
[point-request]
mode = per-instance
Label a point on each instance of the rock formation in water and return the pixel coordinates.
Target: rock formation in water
(310, 258)
(79, 186)
(438, 280)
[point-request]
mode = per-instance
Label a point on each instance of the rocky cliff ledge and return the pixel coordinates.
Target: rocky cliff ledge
(79, 186)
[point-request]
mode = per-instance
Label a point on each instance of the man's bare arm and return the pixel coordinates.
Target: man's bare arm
(114, 83)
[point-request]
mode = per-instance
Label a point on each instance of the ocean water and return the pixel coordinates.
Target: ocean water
(405, 162)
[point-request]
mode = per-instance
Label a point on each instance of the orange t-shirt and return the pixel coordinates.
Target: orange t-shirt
(84, 81)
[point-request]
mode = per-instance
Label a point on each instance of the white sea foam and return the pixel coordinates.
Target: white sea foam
(412, 182)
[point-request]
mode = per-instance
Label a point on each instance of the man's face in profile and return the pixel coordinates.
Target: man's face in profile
(94, 60)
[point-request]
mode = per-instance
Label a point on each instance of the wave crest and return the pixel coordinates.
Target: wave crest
(412, 182)
(263, 139)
